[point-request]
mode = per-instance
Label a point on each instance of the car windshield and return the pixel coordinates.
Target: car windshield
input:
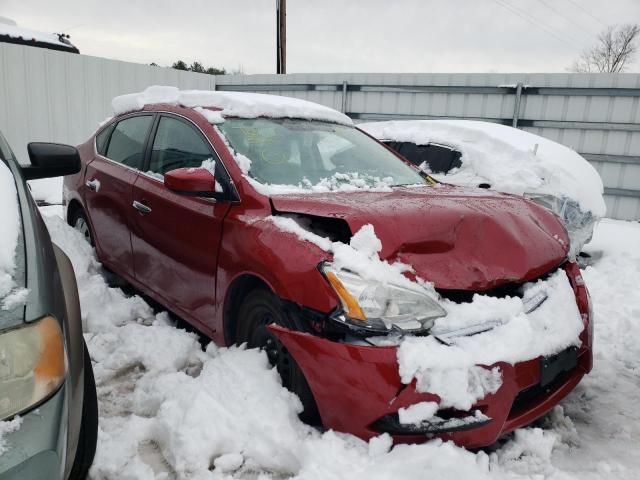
(314, 155)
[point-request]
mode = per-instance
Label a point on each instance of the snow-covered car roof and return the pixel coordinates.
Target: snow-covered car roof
(9, 28)
(509, 159)
(230, 104)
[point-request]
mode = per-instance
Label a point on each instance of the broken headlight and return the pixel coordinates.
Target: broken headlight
(379, 308)
(579, 224)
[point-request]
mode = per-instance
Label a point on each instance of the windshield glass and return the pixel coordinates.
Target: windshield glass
(307, 155)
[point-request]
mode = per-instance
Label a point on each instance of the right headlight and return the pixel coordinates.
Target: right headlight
(579, 224)
(379, 308)
(32, 365)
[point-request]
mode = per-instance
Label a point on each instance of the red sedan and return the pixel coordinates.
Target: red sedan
(179, 192)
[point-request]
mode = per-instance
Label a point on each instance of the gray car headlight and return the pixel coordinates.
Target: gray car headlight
(32, 365)
(579, 224)
(376, 307)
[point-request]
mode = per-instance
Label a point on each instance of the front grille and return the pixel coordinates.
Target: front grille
(514, 289)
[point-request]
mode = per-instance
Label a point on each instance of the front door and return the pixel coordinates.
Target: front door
(108, 189)
(175, 238)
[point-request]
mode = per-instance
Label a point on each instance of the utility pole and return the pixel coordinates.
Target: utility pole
(281, 47)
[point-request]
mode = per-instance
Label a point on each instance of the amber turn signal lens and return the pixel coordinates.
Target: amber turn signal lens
(349, 303)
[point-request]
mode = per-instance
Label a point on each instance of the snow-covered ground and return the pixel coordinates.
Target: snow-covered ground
(170, 409)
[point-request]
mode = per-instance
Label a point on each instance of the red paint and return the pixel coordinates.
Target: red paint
(197, 180)
(188, 252)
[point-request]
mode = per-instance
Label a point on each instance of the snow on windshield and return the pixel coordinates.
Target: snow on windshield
(295, 156)
(10, 221)
(231, 104)
(509, 159)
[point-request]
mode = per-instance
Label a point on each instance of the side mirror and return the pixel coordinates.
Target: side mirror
(195, 182)
(51, 160)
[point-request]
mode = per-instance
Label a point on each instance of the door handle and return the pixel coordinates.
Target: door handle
(141, 207)
(93, 185)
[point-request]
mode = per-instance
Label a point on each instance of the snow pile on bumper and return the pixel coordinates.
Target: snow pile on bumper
(452, 371)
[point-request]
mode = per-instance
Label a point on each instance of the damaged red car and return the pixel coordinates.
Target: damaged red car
(181, 192)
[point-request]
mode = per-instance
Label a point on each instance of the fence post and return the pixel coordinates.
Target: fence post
(344, 96)
(516, 107)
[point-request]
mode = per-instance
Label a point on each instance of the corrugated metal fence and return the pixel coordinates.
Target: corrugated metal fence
(47, 95)
(55, 96)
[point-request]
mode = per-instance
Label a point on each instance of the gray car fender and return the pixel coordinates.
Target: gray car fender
(75, 352)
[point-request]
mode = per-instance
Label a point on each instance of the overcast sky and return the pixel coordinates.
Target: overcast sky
(334, 35)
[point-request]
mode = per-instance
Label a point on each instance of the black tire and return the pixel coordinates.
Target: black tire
(88, 436)
(78, 220)
(260, 308)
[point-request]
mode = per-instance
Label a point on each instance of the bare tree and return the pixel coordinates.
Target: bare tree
(614, 51)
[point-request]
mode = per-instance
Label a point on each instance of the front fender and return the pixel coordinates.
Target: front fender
(75, 352)
(255, 246)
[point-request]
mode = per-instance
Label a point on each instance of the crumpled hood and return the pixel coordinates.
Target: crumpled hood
(457, 238)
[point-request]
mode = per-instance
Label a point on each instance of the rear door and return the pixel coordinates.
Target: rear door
(175, 238)
(108, 188)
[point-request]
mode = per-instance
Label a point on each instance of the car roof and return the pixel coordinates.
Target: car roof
(215, 105)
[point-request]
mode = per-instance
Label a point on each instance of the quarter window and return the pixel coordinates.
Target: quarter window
(102, 139)
(177, 145)
(128, 139)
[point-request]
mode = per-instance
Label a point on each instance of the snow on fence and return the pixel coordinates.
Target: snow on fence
(56, 96)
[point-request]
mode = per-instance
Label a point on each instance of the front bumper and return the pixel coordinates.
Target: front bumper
(358, 388)
(36, 450)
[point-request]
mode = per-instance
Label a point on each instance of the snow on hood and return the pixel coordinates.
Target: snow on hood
(10, 221)
(231, 104)
(511, 160)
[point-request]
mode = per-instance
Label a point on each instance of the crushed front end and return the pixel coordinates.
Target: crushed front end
(358, 388)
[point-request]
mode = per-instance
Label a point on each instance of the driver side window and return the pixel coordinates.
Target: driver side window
(177, 145)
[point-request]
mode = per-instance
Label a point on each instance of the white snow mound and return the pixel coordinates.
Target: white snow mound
(231, 104)
(509, 159)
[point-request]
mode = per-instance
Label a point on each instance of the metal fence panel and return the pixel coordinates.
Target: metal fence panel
(60, 97)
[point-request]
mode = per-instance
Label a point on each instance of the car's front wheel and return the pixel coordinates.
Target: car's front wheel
(88, 436)
(259, 309)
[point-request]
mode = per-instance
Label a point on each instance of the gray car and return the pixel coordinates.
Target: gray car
(46, 379)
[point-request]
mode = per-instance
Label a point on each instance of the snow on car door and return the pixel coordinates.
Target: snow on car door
(174, 237)
(108, 188)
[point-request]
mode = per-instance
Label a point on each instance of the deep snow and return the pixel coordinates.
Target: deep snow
(171, 410)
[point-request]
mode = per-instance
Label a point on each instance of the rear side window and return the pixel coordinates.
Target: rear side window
(127, 141)
(438, 158)
(177, 145)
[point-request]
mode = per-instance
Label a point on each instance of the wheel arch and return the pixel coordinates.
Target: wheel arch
(73, 207)
(237, 291)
